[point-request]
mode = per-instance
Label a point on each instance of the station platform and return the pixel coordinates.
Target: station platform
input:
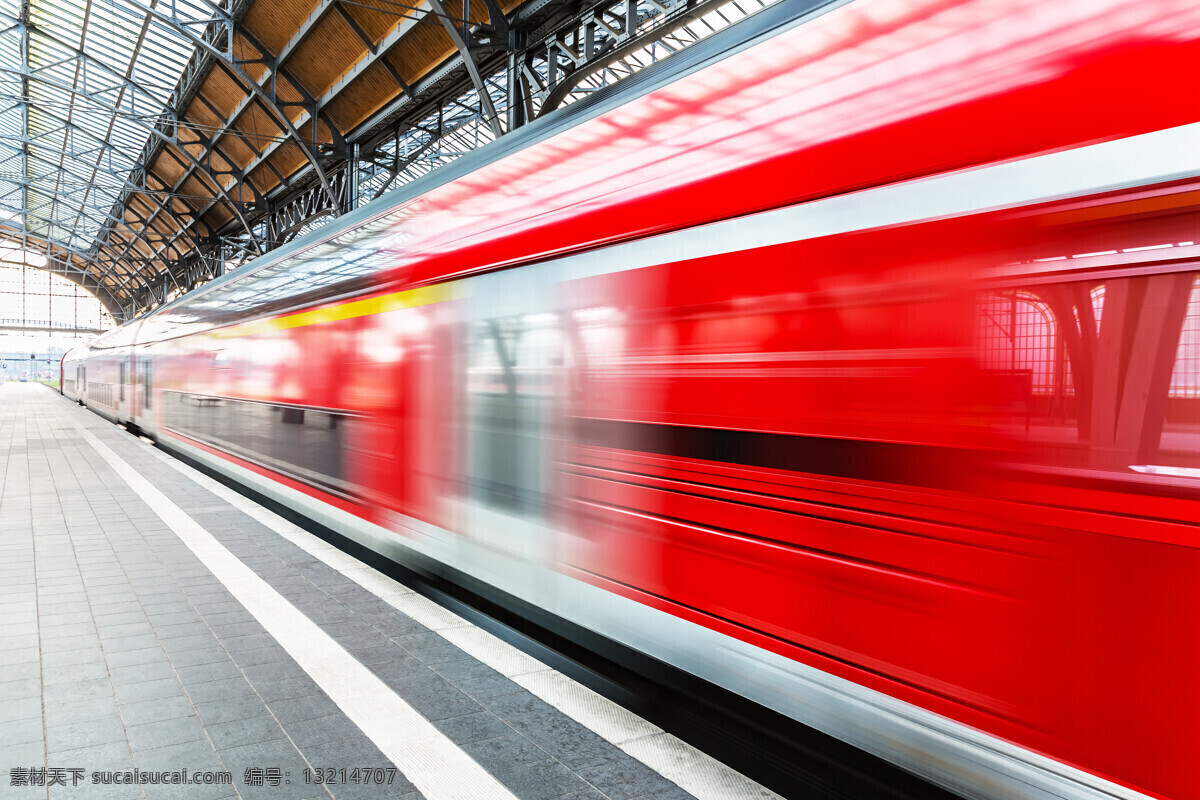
(166, 637)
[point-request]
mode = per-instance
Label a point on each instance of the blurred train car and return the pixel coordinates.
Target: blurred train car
(849, 361)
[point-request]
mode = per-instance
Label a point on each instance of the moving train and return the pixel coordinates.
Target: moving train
(848, 360)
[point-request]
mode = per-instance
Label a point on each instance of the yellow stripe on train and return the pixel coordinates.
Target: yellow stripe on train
(409, 298)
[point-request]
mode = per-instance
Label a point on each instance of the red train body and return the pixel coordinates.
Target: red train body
(856, 371)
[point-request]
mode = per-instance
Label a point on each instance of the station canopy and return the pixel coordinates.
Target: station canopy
(147, 146)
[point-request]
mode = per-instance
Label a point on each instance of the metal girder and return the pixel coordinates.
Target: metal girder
(376, 54)
(233, 67)
(79, 275)
(581, 47)
(567, 55)
(10, 210)
(17, 326)
(118, 177)
(501, 74)
(156, 133)
(92, 161)
(464, 51)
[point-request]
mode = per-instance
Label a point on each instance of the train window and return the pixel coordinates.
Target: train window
(1178, 450)
(511, 379)
(255, 427)
(321, 444)
(306, 444)
(1096, 374)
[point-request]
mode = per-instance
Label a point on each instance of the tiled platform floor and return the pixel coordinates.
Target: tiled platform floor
(122, 651)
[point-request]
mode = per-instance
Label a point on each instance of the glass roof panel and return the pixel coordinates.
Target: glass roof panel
(82, 83)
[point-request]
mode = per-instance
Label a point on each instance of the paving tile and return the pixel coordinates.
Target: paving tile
(230, 632)
(108, 791)
(278, 671)
(228, 618)
(442, 704)
(140, 628)
(217, 711)
(148, 690)
(20, 731)
(287, 687)
(185, 643)
(110, 757)
(303, 708)
(159, 609)
(223, 689)
(148, 711)
(671, 793)
(169, 618)
(73, 623)
(545, 727)
(262, 655)
(114, 620)
(203, 673)
(22, 755)
(72, 607)
(83, 690)
(582, 750)
(323, 729)
(104, 608)
(72, 658)
(516, 705)
(383, 654)
(158, 669)
(196, 757)
(180, 629)
(541, 780)
(50, 646)
(279, 754)
(164, 732)
(473, 727)
(123, 643)
(430, 648)
(586, 794)
(129, 658)
(73, 736)
(80, 710)
(262, 728)
(70, 629)
(204, 655)
(504, 752)
(625, 779)
(19, 709)
(361, 753)
(488, 686)
(189, 791)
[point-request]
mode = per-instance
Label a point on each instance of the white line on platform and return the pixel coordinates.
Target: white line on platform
(434, 764)
(692, 770)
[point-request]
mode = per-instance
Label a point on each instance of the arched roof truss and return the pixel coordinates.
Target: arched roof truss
(147, 144)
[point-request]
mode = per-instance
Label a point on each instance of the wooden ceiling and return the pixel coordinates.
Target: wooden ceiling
(345, 60)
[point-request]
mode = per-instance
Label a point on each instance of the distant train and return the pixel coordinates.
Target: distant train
(849, 361)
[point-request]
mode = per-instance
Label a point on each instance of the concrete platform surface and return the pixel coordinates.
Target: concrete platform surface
(157, 626)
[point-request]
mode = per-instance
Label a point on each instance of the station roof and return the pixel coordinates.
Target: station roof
(146, 143)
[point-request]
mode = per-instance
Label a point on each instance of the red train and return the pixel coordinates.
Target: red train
(854, 368)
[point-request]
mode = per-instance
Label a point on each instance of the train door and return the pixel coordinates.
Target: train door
(122, 379)
(146, 389)
(81, 383)
(511, 413)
